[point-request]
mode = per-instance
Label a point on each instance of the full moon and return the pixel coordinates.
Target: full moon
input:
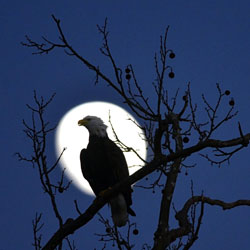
(74, 138)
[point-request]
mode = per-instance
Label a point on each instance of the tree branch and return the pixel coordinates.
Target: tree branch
(72, 225)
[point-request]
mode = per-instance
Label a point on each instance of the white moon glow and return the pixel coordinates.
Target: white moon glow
(73, 137)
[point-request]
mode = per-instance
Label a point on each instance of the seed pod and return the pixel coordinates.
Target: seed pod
(171, 74)
(127, 70)
(185, 139)
(172, 55)
(231, 102)
(128, 76)
(135, 231)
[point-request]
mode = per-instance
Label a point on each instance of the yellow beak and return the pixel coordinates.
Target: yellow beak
(82, 122)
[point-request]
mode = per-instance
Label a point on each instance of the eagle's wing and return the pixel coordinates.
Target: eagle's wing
(87, 172)
(96, 165)
(119, 167)
(103, 165)
(116, 160)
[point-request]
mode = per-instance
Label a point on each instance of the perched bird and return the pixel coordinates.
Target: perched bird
(103, 165)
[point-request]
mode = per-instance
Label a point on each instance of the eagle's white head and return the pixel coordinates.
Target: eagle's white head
(95, 125)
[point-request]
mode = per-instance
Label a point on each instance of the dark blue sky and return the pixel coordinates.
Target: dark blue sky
(211, 41)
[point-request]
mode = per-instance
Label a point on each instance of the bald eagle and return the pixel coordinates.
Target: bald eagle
(103, 165)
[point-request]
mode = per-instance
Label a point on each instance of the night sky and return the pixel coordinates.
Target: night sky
(211, 41)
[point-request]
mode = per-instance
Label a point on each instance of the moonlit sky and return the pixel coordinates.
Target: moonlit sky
(73, 138)
(211, 41)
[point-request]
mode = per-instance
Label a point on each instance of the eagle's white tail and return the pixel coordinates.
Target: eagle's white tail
(119, 210)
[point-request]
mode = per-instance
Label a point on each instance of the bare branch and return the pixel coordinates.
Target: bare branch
(121, 144)
(38, 132)
(36, 229)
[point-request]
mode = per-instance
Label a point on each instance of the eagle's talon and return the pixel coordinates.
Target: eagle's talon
(103, 192)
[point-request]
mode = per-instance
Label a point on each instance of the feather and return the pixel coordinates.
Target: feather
(119, 210)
